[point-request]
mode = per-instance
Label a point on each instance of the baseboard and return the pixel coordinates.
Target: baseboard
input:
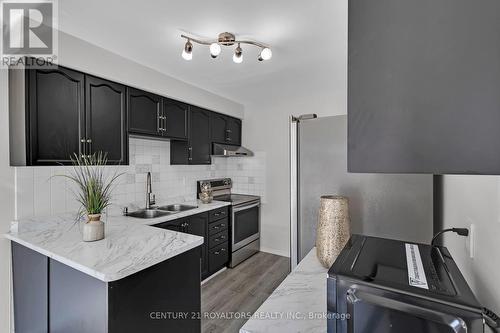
(213, 275)
(274, 251)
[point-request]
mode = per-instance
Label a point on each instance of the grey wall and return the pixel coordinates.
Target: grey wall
(385, 205)
(423, 86)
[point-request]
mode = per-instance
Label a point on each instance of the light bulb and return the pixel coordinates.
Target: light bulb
(215, 50)
(238, 55)
(265, 54)
(187, 53)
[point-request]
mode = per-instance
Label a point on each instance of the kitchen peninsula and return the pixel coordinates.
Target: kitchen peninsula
(139, 278)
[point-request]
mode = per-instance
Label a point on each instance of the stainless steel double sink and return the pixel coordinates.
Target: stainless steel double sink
(160, 211)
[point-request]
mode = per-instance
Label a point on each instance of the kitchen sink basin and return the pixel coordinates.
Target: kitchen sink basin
(148, 213)
(176, 208)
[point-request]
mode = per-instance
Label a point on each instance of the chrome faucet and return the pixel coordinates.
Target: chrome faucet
(150, 197)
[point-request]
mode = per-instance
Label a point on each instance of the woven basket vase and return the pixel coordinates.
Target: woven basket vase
(333, 230)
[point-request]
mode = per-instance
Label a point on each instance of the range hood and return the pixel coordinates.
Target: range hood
(230, 151)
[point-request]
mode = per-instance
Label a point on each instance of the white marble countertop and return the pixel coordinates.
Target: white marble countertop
(130, 244)
(297, 305)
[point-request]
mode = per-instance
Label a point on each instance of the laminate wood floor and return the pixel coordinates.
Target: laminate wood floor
(240, 289)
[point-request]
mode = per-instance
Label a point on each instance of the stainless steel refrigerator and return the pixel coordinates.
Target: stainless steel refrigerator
(385, 205)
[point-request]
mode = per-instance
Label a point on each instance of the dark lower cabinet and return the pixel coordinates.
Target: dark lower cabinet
(213, 226)
(218, 239)
(106, 119)
(194, 225)
(52, 297)
(198, 148)
(218, 257)
(30, 275)
(142, 302)
(56, 115)
(197, 225)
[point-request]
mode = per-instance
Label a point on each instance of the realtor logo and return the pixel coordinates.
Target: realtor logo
(29, 29)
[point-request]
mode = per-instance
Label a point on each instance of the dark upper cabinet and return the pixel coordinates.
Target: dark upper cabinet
(145, 112)
(225, 129)
(200, 146)
(105, 109)
(73, 113)
(218, 124)
(175, 119)
(55, 111)
(197, 149)
(233, 131)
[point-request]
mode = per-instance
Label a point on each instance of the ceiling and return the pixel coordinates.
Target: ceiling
(308, 40)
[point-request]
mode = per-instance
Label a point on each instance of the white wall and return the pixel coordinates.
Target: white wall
(6, 204)
(81, 55)
(266, 129)
(475, 199)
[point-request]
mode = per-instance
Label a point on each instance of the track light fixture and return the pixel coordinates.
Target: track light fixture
(187, 53)
(225, 39)
(238, 55)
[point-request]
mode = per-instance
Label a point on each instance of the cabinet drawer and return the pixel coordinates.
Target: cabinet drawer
(218, 214)
(218, 226)
(218, 239)
(218, 257)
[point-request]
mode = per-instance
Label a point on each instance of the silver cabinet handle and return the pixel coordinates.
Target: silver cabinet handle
(82, 147)
(89, 143)
(158, 128)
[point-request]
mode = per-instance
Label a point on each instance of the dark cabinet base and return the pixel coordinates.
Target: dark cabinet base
(52, 297)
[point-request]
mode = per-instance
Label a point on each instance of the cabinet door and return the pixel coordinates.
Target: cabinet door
(175, 119)
(198, 225)
(106, 119)
(200, 145)
(144, 111)
(233, 131)
(175, 225)
(218, 125)
(55, 115)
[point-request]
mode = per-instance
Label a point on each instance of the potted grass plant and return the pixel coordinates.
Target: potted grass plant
(93, 191)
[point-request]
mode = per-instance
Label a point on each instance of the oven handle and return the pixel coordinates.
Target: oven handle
(240, 208)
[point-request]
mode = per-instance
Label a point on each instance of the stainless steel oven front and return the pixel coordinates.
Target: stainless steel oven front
(245, 232)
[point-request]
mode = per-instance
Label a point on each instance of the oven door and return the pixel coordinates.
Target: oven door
(245, 225)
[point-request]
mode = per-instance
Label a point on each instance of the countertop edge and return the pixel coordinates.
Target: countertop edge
(103, 277)
(192, 243)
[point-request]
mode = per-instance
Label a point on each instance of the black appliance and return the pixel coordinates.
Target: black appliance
(423, 86)
(245, 219)
(379, 285)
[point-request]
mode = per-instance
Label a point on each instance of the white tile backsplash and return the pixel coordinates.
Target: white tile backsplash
(40, 192)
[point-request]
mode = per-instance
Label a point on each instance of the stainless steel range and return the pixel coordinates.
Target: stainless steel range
(245, 219)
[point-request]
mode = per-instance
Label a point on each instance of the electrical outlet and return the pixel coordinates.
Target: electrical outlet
(471, 240)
